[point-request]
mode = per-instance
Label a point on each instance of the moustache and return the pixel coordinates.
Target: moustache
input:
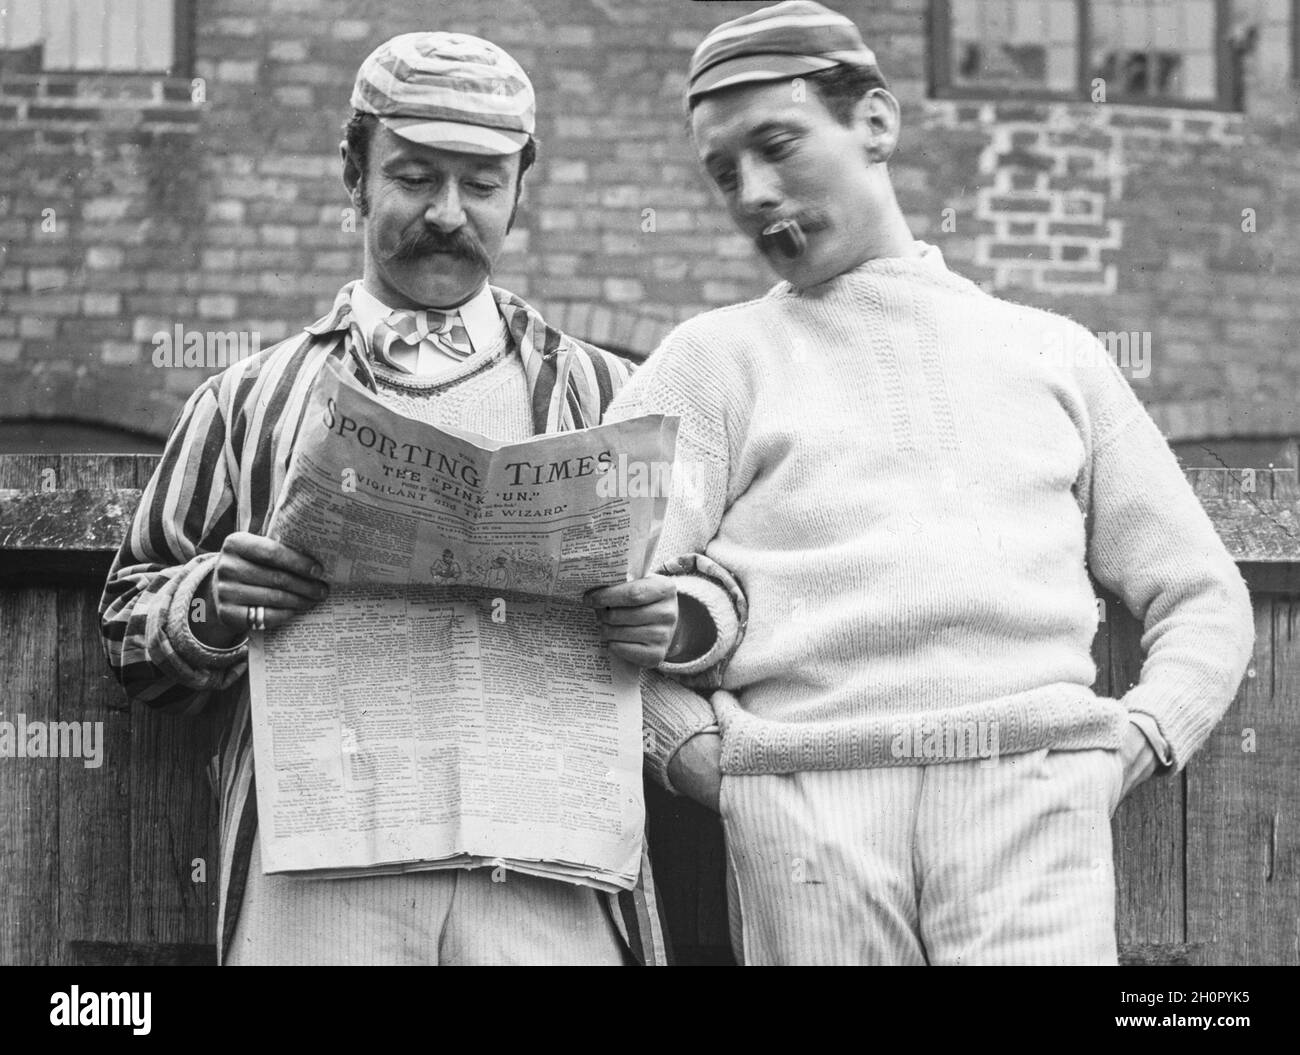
(425, 241)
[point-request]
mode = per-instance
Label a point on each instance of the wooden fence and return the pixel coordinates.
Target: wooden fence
(117, 864)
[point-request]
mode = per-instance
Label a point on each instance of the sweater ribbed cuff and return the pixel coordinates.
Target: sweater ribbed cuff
(176, 622)
(722, 614)
(671, 714)
(1185, 716)
(720, 594)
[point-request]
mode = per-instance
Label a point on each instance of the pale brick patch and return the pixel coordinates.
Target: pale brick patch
(287, 51)
(105, 210)
(119, 353)
(274, 234)
(36, 327)
(104, 258)
(226, 211)
(567, 171)
(623, 290)
(294, 95)
(218, 307)
(218, 259)
(236, 71)
(580, 36)
(43, 278)
(351, 29)
(102, 305)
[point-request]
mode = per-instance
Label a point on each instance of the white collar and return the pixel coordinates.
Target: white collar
(479, 315)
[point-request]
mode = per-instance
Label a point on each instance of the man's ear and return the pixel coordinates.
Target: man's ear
(519, 193)
(878, 117)
(351, 173)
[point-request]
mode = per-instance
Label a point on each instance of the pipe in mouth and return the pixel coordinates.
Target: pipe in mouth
(787, 237)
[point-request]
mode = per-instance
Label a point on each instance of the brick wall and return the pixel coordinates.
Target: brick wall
(132, 205)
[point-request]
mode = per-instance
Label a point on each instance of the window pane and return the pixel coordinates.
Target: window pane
(1132, 22)
(157, 32)
(1196, 24)
(123, 47)
(1152, 48)
(20, 25)
(120, 35)
(1198, 77)
(1062, 68)
(1063, 22)
(1166, 24)
(56, 32)
(1004, 44)
(88, 35)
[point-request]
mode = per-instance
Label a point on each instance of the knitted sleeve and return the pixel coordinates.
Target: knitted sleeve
(172, 546)
(1151, 542)
(691, 377)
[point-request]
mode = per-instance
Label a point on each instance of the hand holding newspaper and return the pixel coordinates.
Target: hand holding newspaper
(450, 704)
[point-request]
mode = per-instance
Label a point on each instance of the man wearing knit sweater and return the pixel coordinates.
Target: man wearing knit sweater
(912, 484)
(436, 150)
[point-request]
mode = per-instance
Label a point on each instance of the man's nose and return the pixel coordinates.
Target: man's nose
(759, 190)
(446, 212)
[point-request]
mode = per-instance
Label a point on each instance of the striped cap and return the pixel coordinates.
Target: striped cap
(779, 42)
(449, 90)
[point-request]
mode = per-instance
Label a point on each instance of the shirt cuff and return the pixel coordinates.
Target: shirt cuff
(1151, 730)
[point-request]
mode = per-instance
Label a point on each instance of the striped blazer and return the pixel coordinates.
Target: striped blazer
(220, 472)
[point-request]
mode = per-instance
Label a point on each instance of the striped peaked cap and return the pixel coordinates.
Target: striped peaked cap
(448, 90)
(776, 43)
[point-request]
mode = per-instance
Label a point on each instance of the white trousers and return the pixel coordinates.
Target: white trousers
(968, 862)
(454, 917)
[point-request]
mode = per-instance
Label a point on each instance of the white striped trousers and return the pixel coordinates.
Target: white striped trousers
(970, 862)
(453, 917)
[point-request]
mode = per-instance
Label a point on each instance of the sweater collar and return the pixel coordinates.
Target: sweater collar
(926, 264)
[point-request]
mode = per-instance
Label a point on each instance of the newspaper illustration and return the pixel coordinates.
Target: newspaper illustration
(450, 704)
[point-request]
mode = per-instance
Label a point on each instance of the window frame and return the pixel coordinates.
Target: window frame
(182, 67)
(1226, 88)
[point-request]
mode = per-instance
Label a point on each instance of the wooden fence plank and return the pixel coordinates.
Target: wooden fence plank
(97, 472)
(1148, 827)
(119, 954)
(94, 803)
(1243, 804)
(29, 472)
(173, 816)
(29, 787)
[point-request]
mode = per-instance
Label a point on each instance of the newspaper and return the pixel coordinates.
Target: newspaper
(450, 705)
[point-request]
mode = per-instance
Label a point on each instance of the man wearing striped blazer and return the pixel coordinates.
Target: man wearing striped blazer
(436, 149)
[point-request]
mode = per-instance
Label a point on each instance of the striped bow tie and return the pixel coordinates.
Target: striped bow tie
(443, 330)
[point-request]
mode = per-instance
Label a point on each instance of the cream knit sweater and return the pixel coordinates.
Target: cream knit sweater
(911, 479)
